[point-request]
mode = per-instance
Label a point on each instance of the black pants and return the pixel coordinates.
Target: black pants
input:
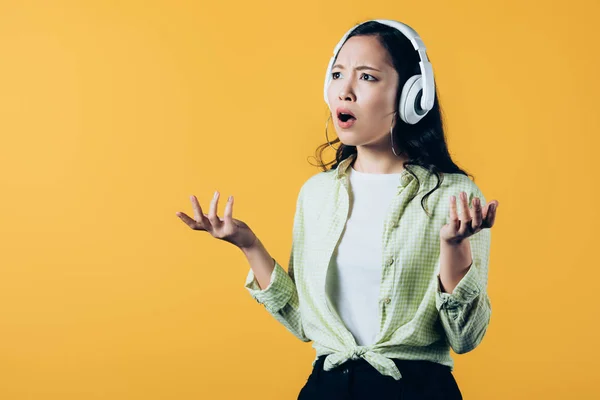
(357, 380)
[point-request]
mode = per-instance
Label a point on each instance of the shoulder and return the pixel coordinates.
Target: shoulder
(455, 183)
(317, 184)
(315, 189)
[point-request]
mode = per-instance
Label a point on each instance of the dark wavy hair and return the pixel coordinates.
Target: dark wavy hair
(424, 143)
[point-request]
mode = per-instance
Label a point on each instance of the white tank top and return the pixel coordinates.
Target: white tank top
(354, 275)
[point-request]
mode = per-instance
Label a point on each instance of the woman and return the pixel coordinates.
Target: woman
(384, 275)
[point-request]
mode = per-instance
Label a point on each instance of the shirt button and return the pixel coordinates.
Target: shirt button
(390, 261)
(387, 300)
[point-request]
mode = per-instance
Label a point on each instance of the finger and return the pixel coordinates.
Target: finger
(197, 208)
(465, 218)
(491, 213)
(188, 220)
(453, 215)
(477, 213)
(212, 212)
(487, 211)
(228, 213)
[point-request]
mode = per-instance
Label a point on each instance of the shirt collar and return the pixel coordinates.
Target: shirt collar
(405, 177)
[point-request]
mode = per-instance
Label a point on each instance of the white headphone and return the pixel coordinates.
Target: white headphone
(420, 86)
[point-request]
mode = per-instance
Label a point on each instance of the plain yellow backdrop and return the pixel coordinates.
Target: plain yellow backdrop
(112, 113)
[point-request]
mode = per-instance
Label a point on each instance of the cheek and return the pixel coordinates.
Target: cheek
(380, 103)
(332, 90)
(330, 97)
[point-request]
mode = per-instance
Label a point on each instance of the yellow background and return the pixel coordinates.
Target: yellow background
(112, 113)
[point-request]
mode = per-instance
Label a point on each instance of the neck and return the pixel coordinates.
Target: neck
(371, 162)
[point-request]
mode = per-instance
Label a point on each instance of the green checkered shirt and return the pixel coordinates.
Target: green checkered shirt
(417, 321)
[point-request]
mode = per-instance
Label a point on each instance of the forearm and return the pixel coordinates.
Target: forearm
(261, 262)
(277, 290)
(455, 261)
(464, 311)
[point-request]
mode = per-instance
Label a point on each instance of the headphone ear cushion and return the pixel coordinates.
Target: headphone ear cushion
(328, 80)
(410, 99)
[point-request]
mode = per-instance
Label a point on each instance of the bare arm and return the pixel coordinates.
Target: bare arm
(261, 262)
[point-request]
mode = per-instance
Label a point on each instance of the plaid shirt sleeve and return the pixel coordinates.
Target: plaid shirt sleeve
(465, 313)
(280, 297)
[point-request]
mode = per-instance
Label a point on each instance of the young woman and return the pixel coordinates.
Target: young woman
(384, 275)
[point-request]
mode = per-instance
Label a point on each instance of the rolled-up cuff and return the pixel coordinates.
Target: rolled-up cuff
(464, 293)
(277, 294)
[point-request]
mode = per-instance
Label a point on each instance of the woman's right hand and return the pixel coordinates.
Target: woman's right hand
(228, 229)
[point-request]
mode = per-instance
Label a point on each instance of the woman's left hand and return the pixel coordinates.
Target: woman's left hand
(471, 221)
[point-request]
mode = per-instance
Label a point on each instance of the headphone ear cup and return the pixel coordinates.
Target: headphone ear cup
(409, 105)
(328, 80)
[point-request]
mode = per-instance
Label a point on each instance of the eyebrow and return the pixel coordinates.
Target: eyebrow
(359, 68)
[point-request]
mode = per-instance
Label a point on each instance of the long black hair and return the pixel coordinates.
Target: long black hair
(424, 143)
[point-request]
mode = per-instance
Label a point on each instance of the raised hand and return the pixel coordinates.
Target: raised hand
(227, 228)
(472, 220)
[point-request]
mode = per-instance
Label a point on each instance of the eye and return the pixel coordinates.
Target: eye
(374, 79)
(335, 77)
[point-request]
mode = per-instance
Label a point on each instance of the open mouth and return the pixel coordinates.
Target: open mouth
(345, 117)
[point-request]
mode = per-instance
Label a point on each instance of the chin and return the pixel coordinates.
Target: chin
(351, 142)
(349, 137)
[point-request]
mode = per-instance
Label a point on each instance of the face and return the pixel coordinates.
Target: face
(369, 93)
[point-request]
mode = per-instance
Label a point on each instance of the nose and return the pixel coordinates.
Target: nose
(346, 92)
